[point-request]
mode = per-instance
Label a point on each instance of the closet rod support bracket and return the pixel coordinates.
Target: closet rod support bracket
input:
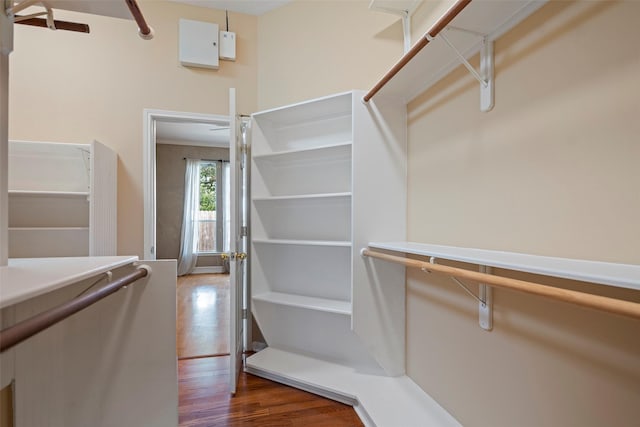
(484, 297)
(485, 305)
(486, 75)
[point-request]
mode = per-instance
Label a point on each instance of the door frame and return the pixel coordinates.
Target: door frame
(150, 117)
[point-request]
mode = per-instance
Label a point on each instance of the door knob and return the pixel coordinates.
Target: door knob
(241, 256)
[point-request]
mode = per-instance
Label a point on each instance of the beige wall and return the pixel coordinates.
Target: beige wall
(552, 170)
(171, 165)
(72, 87)
(315, 48)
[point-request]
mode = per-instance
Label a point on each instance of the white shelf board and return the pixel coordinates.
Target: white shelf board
(303, 197)
(394, 6)
(304, 242)
(314, 109)
(436, 60)
(603, 273)
(25, 278)
(311, 153)
(379, 400)
(61, 194)
(53, 229)
(310, 303)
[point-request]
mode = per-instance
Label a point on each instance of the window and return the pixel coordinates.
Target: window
(213, 213)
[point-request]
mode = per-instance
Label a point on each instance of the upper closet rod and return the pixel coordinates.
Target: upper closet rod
(611, 305)
(433, 31)
(144, 30)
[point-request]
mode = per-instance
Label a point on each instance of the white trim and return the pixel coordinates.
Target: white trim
(149, 164)
(208, 270)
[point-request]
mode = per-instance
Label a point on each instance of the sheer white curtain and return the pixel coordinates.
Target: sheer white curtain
(226, 203)
(189, 234)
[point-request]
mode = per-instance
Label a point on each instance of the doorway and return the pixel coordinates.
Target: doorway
(203, 303)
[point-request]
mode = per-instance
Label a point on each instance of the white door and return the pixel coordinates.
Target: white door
(237, 246)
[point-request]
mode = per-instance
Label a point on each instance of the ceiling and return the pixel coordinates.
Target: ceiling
(192, 133)
(249, 7)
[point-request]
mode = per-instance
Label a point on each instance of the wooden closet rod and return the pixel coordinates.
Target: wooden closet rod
(60, 25)
(27, 328)
(611, 305)
(433, 31)
(145, 30)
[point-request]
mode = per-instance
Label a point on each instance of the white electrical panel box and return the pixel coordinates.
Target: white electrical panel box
(228, 45)
(198, 44)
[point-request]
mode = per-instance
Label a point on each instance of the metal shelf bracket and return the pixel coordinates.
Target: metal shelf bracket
(485, 306)
(486, 75)
(485, 297)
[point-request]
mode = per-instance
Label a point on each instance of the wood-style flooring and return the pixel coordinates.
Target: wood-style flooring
(203, 315)
(204, 399)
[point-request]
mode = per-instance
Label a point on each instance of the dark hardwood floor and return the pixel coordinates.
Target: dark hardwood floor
(204, 400)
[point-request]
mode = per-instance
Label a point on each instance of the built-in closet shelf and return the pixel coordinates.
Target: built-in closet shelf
(315, 154)
(312, 170)
(306, 302)
(427, 62)
(379, 400)
(303, 197)
(338, 244)
(315, 109)
(603, 273)
(27, 278)
(61, 194)
(35, 242)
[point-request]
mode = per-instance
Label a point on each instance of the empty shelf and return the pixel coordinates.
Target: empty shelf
(27, 278)
(303, 197)
(303, 242)
(603, 273)
(307, 154)
(378, 399)
(310, 303)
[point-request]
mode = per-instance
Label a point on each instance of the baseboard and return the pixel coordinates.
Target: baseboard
(208, 270)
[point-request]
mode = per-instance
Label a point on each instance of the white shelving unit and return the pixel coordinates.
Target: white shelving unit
(62, 200)
(327, 175)
(314, 167)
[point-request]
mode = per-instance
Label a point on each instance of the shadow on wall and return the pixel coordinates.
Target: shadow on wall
(589, 339)
(510, 49)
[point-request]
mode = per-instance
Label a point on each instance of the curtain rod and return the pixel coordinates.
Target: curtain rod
(27, 328)
(611, 305)
(206, 160)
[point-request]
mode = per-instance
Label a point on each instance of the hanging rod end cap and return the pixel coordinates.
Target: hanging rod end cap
(145, 267)
(147, 36)
(363, 252)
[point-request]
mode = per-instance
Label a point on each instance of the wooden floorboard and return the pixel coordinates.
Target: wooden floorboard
(203, 315)
(204, 400)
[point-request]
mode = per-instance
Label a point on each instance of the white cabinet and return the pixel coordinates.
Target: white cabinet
(62, 199)
(325, 174)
